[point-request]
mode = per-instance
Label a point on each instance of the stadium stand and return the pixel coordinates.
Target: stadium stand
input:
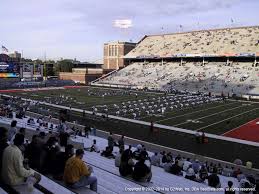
(213, 77)
(108, 174)
(218, 41)
(204, 61)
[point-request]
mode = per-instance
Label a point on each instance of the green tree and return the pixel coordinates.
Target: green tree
(65, 65)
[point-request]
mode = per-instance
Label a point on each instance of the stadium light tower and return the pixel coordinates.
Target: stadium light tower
(123, 24)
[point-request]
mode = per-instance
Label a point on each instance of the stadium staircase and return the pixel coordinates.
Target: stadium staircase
(104, 76)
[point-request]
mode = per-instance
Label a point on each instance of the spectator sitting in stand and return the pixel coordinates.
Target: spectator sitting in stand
(127, 163)
(176, 169)
(107, 153)
(22, 131)
(164, 159)
(211, 168)
(60, 161)
(219, 168)
(141, 171)
(144, 153)
(118, 157)
(128, 152)
(155, 159)
(227, 171)
(237, 172)
(41, 139)
(51, 148)
(93, 148)
(190, 174)
(229, 189)
(203, 173)
(181, 162)
(87, 130)
(33, 153)
(13, 171)
(12, 131)
(196, 166)
(238, 162)
(137, 152)
(121, 142)
(77, 174)
(186, 164)
(110, 141)
(169, 156)
(240, 177)
(31, 121)
(3, 143)
(213, 179)
(249, 164)
(167, 166)
(245, 183)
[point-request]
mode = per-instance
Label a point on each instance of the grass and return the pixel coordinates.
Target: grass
(212, 113)
(206, 117)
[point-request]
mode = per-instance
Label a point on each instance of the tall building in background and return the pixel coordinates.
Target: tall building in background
(15, 55)
(114, 53)
(83, 72)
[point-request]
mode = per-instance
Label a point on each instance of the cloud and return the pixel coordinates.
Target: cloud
(70, 28)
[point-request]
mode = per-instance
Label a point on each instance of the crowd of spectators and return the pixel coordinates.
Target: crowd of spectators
(22, 160)
(45, 155)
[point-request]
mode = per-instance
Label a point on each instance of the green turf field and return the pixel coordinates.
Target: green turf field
(216, 118)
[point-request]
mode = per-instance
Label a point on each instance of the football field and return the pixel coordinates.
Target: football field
(192, 112)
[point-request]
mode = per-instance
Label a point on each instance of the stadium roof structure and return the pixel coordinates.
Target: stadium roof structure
(240, 42)
(119, 42)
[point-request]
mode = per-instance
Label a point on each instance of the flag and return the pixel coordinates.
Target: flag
(4, 49)
(181, 26)
(232, 21)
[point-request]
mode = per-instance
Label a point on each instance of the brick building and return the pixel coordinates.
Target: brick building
(114, 53)
(15, 55)
(83, 73)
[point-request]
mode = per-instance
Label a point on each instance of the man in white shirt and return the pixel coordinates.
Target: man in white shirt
(186, 164)
(13, 171)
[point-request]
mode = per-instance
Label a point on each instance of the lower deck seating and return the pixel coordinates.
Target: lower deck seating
(215, 77)
(2, 191)
(110, 181)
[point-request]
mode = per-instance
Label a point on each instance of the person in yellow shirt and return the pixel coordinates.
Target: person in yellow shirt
(77, 174)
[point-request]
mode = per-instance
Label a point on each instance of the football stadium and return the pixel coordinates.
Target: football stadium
(175, 112)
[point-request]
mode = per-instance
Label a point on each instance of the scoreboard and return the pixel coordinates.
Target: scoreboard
(9, 70)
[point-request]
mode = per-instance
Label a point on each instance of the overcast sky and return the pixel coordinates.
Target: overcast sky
(78, 28)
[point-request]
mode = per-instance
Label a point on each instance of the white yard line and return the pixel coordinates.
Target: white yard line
(208, 115)
(191, 132)
(195, 112)
(226, 119)
(254, 102)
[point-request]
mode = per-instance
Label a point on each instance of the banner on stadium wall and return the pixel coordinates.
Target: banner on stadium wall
(38, 70)
(178, 55)
(246, 54)
(148, 56)
(27, 70)
(154, 56)
(142, 57)
(229, 54)
(193, 55)
(8, 75)
(210, 55)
